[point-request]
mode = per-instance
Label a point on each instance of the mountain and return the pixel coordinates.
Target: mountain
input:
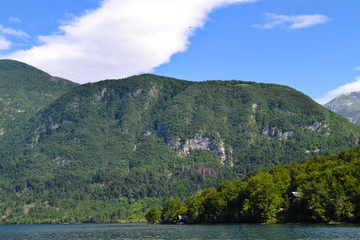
(106, 151)
(347, 105)
(24, 90)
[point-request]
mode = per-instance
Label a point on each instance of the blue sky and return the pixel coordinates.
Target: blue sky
(310, 45)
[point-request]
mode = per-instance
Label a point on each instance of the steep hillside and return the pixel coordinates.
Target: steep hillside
(347, 105)
(24, 90)
(147, 137)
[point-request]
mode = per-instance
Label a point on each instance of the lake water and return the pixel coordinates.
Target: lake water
(147, 231)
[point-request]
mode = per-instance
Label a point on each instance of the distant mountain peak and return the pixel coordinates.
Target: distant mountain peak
(346, 105)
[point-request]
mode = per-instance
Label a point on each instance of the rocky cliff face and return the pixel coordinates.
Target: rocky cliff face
(198, 142)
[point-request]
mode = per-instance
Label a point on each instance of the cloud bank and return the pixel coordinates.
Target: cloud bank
(119, 39)
(347, 88)
(292, 22)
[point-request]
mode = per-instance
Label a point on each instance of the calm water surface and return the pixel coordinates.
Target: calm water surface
(147, 231)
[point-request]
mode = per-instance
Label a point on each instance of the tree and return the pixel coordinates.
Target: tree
(170, 210)
(153, 215)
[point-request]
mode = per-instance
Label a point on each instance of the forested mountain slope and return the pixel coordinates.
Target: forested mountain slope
(24, 90)
(147, 137)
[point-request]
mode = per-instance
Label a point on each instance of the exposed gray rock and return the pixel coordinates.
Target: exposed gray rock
(318, 126)
(148, 133)
(61, 161)
(199, 142)
(74, 104)
(153, 91)
(284, 135)
(174, 143)
(221, 152)
(254, 107)
(275, 133)
(135, 93)
(103, 91)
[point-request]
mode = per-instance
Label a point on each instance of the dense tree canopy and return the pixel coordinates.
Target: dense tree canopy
(321, 189)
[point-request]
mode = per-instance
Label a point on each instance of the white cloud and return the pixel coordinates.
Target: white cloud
(120, 39)
(12, 32)
(4, 44)
(14, 20)
(5, 32)
(358, 68)
(347, 88)
(292, 22)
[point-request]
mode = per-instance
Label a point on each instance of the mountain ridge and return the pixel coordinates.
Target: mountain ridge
(144, 138)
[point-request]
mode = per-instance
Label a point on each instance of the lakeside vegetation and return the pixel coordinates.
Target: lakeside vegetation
(321, 189)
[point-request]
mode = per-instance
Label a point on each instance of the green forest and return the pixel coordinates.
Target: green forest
(109, 151)
(321, 189)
